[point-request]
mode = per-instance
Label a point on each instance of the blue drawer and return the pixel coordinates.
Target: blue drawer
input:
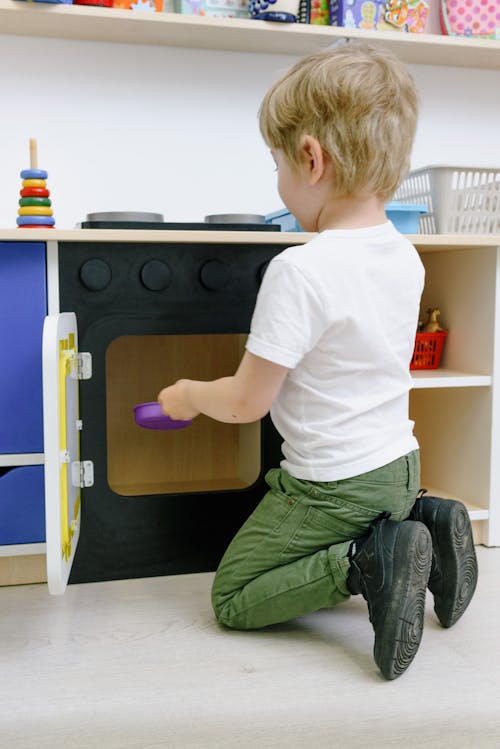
(23, 306)
(22, 506)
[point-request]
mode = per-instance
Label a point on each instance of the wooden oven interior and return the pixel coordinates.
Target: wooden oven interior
(206, 456)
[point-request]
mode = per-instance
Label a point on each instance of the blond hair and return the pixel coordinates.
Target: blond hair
(360, 102)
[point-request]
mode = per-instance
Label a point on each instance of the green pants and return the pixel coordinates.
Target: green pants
(290, 556)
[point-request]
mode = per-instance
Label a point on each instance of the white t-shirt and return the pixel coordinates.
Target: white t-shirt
(341, 313)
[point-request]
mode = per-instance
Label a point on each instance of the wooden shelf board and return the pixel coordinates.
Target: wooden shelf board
(23, 569)
(475, 511)
(231, 34)
(452, 242)
(423, 243)
(153, 235)
(446, 378)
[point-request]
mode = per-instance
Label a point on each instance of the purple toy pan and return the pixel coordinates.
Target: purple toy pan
(150, 416)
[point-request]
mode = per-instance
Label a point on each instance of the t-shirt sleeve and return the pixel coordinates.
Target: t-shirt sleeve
(288, 319)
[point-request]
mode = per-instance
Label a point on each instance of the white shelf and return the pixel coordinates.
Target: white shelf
(475, 512)
(231, 34)
(26, 459)
(22, 550)
(447, 378)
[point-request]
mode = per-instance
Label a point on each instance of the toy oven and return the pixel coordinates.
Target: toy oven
(128, 502)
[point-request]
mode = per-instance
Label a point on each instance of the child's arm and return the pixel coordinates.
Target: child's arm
(246, 396)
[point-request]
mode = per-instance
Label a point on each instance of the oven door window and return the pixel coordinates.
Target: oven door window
(204, 457)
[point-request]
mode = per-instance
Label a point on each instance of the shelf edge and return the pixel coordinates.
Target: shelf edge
(237, 35)
(440, 378)
(11, 460)
(22, 550)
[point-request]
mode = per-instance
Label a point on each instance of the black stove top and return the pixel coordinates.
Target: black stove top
(178, 226)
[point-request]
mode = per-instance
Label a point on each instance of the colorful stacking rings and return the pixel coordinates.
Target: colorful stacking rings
(35, 208)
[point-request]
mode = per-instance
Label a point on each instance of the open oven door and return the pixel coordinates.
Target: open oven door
(64, 473)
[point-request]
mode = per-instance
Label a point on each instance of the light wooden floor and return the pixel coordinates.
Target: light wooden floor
(142, 664)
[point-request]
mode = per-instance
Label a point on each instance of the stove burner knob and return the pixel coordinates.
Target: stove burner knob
(215, 274)
(95, 274)
(156, 275)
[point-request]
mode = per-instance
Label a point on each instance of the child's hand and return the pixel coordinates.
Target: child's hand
(174, 401)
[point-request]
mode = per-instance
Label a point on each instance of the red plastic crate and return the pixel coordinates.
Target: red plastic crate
(428, 349)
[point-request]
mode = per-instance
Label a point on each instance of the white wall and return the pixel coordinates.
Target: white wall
(125, 127)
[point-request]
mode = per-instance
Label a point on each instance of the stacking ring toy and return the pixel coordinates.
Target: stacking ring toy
(40, 192)
(34, 183)
(34, 174)
(35, 210)
(35, 221)
(35, 201)
(35, 207)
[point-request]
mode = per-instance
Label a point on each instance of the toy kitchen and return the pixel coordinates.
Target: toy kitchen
(93, 322)
(112, 312)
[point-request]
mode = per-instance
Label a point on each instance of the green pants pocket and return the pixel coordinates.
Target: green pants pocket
(320, 529)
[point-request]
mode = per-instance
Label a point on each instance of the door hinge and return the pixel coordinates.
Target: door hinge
(84, 365)
(82, 473)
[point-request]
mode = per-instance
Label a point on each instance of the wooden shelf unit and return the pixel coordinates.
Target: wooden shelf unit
(456, 408)
(231, 34)
(455, 405)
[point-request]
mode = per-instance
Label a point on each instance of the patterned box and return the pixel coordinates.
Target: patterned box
(221, 8)
(387, 15)
(477, 18)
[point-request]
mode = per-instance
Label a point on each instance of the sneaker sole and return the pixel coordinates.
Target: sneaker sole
(456, 561)
(403, 625)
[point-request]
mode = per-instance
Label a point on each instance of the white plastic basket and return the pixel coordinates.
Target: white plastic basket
(459, 200)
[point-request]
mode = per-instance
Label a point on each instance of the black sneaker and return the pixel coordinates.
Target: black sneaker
(453, 576)
(391, 570)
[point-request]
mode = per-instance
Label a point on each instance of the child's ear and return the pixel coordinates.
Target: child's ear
(314, 159)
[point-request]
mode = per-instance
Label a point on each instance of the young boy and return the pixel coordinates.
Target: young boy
(328, 354)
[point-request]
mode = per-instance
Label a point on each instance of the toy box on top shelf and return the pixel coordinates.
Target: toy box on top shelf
(386, 15)
(100, 3)
(404, 216)
(58, 2)
(148, 6)
(459, 200)
(219, 8)
(476, 18)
